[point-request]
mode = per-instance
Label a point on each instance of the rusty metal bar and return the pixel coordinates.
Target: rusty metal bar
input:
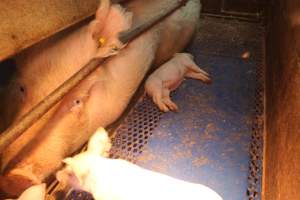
(16, 130)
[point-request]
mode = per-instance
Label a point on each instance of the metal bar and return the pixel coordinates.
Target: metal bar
(140, 28)
(231, 17)
(16, 130)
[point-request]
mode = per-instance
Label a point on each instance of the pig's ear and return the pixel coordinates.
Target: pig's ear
(99, 143)
(96, 26)
(103, 9)
(123, 18)
(129, 19)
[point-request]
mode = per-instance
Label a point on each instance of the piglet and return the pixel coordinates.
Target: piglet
(169, 76)
(116, 179)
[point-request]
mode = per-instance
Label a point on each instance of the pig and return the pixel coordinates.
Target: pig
(36, 192)
(88, 42)
(169, 76)
(98, 100)
(118, 179)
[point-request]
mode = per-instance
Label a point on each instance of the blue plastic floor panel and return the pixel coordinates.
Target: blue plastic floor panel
(208, 140)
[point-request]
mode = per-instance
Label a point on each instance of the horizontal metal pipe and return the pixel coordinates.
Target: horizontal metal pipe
(16, 130)
(140, 28)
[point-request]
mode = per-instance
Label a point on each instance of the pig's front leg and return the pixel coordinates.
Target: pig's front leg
(154, 88)
(160, 95)
(194, 71)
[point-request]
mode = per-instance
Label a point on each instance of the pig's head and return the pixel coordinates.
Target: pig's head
(78, 167)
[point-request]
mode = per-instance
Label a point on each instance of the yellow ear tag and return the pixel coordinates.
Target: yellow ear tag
(101, 41)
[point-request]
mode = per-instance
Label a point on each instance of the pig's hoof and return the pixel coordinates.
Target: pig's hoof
(12, 186)
(170, 104)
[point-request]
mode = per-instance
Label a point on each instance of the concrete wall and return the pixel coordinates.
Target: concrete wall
(282, 155)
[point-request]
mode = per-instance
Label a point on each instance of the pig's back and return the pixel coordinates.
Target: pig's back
(178, 31)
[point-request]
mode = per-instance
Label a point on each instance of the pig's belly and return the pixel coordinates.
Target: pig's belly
(102, 98)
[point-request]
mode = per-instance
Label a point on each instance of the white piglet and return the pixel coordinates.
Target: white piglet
(116, 179)
(169, 76)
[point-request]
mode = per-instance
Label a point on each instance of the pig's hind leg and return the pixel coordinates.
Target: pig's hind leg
(198, 76)
(194, 71)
